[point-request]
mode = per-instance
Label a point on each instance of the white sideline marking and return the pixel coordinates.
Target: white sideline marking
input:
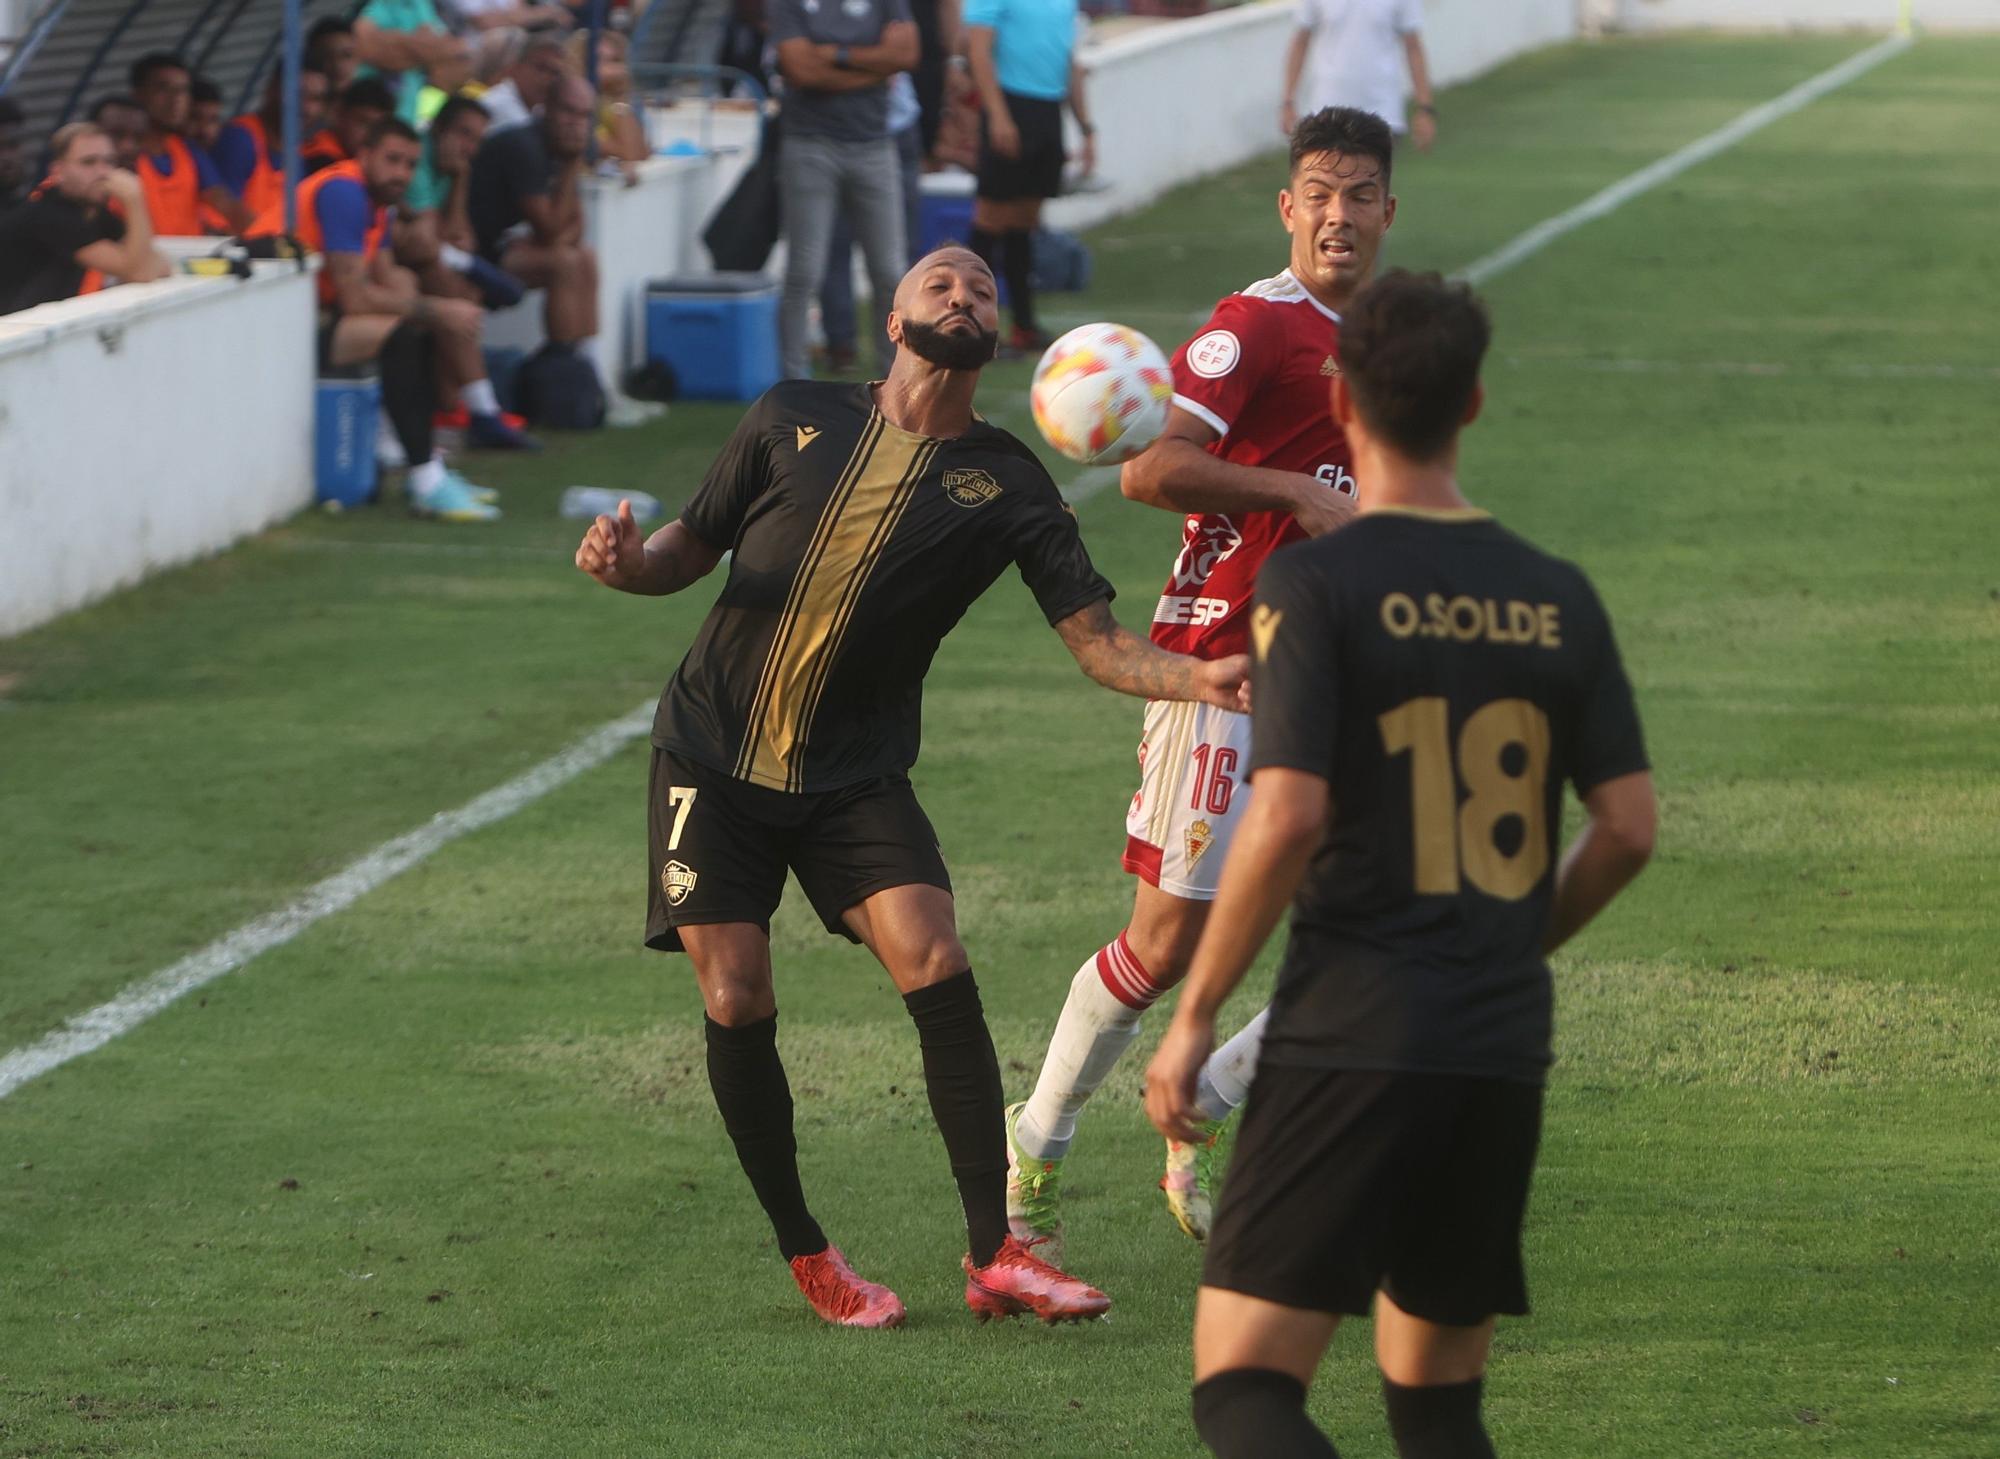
(92, 1030)
(1674, 164)
(1856, 370)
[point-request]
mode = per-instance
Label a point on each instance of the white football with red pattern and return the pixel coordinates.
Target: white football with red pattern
(1101, 394)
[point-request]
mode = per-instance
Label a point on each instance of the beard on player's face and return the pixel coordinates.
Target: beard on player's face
(955, 348)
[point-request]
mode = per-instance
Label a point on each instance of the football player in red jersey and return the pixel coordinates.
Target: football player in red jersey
(1253, 458)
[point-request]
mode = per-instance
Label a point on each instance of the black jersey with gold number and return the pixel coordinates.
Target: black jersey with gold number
(1447, 679)
(856, 546)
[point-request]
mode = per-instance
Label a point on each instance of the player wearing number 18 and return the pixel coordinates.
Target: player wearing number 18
(1425, 684)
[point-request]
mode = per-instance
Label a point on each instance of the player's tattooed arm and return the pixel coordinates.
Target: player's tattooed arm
(1120, 659)
(1177, 474)
(669, 560)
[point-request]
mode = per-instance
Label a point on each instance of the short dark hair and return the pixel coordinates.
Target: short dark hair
(1410, 347)
(325, 26)
(151, 64)
(274, 84)
(11, 114)
(204, 90)
(104, 104)
(387, 127)
(369, 93)
(456, 107)
(1347, 130)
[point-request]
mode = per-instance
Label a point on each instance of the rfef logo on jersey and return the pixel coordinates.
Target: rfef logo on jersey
(1214, 354)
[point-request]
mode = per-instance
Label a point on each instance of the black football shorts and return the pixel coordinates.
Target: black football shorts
(721, 847)
(1344, 1181)
(1037, 170)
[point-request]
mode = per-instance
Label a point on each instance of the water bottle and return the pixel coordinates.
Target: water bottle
(600, 501)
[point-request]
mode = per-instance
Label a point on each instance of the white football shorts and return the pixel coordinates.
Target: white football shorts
(1194, 764)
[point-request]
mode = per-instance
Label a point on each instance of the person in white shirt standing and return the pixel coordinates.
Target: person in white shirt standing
(1360, 49)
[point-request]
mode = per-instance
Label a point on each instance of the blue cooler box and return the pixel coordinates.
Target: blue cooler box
(344, 420)
(718, 333)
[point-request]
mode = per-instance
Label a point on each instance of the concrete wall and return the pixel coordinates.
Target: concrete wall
(1180, 101)
(1648, 15)
(165, 420)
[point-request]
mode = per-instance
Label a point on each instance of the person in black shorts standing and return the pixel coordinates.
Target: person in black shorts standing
(1023, 59)
(862, 521)
(1425, 684)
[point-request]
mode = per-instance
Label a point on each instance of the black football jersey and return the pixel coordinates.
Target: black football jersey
(1447, 679)
(855, 546)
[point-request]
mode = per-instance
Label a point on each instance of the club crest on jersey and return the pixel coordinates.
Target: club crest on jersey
(676, 880)
(1199, 837)
(970, 488)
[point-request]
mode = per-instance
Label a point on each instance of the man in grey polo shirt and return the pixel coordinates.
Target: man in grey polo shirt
(837, 57)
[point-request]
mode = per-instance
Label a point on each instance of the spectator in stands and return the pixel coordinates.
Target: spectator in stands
(246, 154)
(177, 178)
(67, 228)
(1023, 60)
(527, 208)
(13, 156)
(434, 234)
(330, 47)
(836, 295)
(1360, 49)
(124, 122)
(837, 154)
(406, 42)
(364, 103)
(621, 130)
(494, 53)
(371, 309)
(204, 123)
(938, 38)
(543, 62)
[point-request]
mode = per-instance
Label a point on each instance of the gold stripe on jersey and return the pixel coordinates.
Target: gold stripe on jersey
(874, 487)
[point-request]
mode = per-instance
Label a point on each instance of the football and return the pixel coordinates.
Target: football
(1101, 394)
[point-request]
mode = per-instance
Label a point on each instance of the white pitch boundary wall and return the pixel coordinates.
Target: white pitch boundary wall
(148, 426)
(1652, 15)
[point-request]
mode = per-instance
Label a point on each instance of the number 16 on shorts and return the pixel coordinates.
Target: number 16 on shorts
(1191, 796)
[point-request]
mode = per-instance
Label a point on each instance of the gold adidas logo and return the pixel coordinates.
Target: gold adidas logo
(1329, 366)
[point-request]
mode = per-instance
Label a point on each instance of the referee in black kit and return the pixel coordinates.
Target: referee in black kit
(863, 520)
(1426, 683)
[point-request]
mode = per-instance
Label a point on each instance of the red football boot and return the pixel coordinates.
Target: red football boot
(840, 1296)
(1017, 1280)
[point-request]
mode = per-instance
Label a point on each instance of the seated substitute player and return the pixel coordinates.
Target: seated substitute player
(1426, 682)
(1253, 457)
(863, 520)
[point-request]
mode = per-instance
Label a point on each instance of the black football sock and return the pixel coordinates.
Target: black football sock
(962, 1076)
(408, 368)
(1018, 260)
(1257, 1413)
(1440, 1422)
(750, 1089)
(986, 243)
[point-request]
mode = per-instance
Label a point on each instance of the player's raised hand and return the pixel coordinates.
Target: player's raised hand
(1170, 1079)
(1225, 682)
(1320, 509)
(612, 550)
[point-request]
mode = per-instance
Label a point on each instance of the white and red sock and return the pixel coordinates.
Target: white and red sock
(1099, 1020)
(1225, 1078)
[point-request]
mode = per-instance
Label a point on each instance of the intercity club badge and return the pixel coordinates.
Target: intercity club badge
(970, 488)
(1199, 834)
(676, 881)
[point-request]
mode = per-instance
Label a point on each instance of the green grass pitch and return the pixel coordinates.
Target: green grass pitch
(442, 1176)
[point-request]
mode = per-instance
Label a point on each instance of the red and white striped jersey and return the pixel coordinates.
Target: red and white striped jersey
(1260, 374)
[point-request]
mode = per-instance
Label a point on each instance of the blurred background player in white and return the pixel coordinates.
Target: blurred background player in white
(1252, 455)
(1359, 51)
